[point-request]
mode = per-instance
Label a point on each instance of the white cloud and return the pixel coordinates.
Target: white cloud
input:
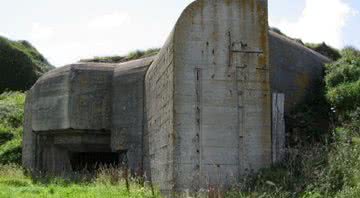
(321, 20)
(40, 32)
(108, 21)
(4, 34)
(111, 34)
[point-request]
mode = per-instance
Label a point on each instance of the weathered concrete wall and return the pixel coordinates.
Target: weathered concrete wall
(128, 110)
(54, 150)
(208, 104)
(50, 101)
(51, 158)
(296, 70)
(28, 143)
(73, 97)
(159, 133)
(77, 96)
(90, 96)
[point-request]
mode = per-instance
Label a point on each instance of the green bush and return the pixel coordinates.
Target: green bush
(21, 65)
(343, 82)
(11, 126)
(325, 50)
(345, 97)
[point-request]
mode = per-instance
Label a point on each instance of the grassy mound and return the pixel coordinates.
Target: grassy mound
(21, 65)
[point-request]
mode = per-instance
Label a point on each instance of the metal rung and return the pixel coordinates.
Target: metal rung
(241, 67)
(262, 68)
(248, 51)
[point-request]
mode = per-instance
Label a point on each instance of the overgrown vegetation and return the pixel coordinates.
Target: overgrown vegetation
(21, 65)
(120, 59)
(321, 48)
(11, 126)
(325, 50)
(278, 31)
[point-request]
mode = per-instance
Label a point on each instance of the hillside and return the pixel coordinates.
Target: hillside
(20, 65)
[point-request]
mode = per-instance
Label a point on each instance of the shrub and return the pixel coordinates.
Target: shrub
(325, 50)
(11, 121)
(343, 82)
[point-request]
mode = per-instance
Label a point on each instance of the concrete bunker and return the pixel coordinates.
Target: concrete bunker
(199, 109)
(76, 151)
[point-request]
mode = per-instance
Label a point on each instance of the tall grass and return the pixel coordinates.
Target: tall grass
(108, 182)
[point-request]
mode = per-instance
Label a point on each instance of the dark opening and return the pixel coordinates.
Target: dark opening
(93, 160)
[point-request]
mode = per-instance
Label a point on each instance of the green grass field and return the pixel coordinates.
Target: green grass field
(14, 183)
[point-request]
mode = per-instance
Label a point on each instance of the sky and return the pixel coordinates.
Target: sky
(69, 30)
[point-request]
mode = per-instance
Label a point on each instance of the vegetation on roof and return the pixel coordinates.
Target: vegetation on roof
(321, 48)
(325, 50)
(20, 65)
(278, 31)
(120, 59)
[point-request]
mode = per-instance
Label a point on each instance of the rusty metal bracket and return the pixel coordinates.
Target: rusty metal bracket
(262, 68)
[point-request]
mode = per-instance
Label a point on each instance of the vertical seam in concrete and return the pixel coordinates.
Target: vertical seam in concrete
(143, 127)
(173, 135)
(273, 157)
(198, 110)
(68, 98)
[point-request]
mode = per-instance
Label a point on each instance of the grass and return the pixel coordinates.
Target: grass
(14, 183)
